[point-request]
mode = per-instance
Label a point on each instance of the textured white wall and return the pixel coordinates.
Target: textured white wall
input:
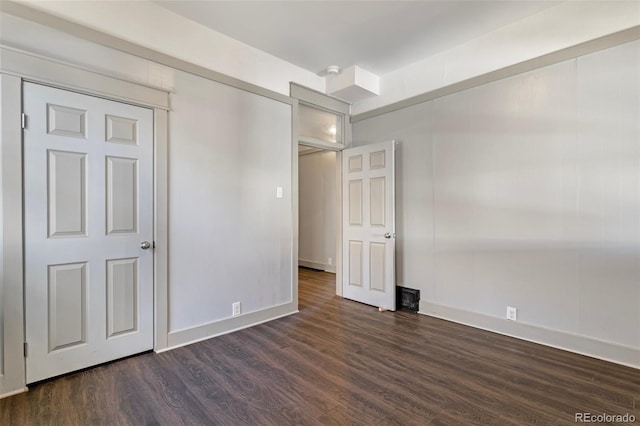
(317, 200)
(526, 192)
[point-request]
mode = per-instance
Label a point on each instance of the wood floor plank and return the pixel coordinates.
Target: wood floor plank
(337, 362)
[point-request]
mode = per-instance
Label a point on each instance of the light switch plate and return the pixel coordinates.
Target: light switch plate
(279, 192)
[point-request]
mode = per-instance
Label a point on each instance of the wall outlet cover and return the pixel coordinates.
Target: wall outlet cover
(236, 309)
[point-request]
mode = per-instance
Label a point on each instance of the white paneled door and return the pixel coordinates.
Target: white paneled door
(88, 166)
(368, 176)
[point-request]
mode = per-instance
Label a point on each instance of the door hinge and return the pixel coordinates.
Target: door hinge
(24, 120)
(26, 349)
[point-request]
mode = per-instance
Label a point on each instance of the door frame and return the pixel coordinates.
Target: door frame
(19, 67)
(305, 95)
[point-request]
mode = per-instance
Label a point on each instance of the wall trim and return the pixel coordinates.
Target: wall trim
(15, 392)
(12, 372)
(161, 227)
(320, 144)
(86, 33)
(295, 201)
(304, 94)
(86, 68)
(317, 265)
(228, 325)
(594, 348)
(319, 99)
(601, 43)
(339, 184)
(42, 70)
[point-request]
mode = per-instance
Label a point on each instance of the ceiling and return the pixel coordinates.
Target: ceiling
(379, 36)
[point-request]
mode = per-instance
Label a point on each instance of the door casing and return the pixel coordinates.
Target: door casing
(65, 76)
(337, 106)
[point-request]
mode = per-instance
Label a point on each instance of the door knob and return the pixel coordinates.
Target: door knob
(387, 235)
(145, 245)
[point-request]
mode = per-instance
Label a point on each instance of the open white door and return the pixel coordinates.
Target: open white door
(368, 223)
(88, 173)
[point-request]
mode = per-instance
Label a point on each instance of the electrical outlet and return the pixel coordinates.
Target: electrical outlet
(330, 261)
(512, 313)
(236, 309)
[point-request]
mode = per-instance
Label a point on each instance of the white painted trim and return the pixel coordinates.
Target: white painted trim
(85, 68)
(15, 392)
(295, 203)
(336, 106)
(13, 379)
(607, 351)
(161, 228)
(39, 69)
(225, 332)
(319, 99)
(317, 265)
(318, 143)
(206, 331)
(295, 200)
(348, 134)
(2, 343)
(338, 267)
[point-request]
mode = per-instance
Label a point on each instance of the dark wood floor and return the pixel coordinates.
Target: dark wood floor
(338, 362)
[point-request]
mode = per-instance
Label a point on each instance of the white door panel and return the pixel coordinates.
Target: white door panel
(368, 174)
(88, 205)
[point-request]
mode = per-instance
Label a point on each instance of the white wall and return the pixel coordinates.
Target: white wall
(318, 207)
(559, 27)
(526, 192)
(230, 237)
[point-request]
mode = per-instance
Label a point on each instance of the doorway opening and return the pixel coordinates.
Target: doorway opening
(322, 129)
(318, 220)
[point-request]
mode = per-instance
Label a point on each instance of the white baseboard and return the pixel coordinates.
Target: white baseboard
(199, 333)
(15, 392)
(317, 265)
(607, 351)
